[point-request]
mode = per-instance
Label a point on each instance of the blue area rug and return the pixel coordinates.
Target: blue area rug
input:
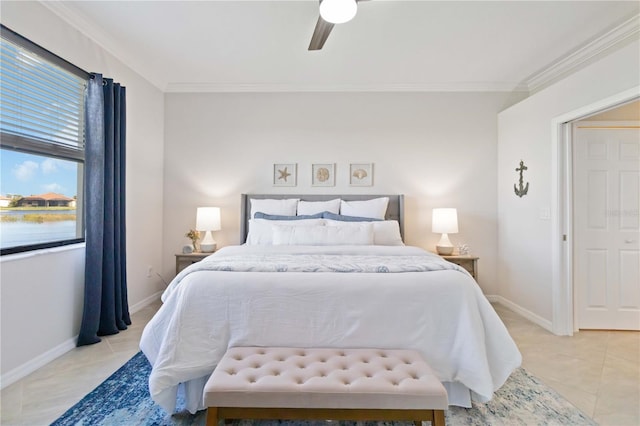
(123, 399)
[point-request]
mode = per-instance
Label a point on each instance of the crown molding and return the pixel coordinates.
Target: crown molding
(384, 87)
(97, 35)
(585, 54)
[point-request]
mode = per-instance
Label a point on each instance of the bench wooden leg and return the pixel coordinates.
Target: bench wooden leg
(438, 418)
(212, 416)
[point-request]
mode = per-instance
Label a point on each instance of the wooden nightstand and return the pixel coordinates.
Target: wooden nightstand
(467, 261)
(184, 260)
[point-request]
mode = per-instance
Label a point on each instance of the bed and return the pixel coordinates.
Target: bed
(326, 284)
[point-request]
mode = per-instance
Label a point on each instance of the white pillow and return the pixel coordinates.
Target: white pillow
(323, 235)
(261, 230)
(376, 208)
(286, 207)
(313, 207)
(385, 232)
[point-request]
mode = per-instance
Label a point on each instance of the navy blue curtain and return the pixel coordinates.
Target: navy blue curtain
(106, 310)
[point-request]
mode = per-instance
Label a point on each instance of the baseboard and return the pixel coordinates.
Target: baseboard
(145, 302)
(41, 360)
(534, 318)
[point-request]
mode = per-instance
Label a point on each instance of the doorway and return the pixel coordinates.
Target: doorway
(564, 296)
(606, 221)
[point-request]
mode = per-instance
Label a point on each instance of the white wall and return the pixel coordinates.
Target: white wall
(525, 260)
(439, 149)
(41, 296)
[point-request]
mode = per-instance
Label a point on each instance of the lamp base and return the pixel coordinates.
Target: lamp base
(444, 246)
(444, 250)
(207, 248)
(208, 244)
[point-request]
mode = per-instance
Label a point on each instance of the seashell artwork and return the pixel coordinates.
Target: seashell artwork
(359, 174)
(285, 174)
(322, 174)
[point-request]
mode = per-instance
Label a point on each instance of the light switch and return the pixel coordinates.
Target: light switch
(545, 213)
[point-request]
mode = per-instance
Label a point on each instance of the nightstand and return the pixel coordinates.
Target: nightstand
(184, 260)
(467, 261)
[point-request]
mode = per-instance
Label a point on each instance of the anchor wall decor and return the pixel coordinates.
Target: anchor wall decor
(521, 190)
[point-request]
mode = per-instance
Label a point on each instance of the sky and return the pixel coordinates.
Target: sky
(27, 174)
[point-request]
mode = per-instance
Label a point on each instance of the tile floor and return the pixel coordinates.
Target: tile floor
(598, 371)
(44, 395)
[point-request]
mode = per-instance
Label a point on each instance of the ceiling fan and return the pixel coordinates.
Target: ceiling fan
(331, 12)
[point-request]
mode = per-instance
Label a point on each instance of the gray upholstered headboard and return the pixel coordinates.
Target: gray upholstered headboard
(395, 211)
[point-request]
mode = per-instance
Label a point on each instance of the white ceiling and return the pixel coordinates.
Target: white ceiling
(390, 45)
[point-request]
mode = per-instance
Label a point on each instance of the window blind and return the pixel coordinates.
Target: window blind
(42, 108)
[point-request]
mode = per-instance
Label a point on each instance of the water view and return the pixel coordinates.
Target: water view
(38, 197)
(24, 227)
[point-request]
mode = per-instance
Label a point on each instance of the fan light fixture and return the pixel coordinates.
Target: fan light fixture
(338, 11)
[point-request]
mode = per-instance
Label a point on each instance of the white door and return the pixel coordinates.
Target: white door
(606, 221)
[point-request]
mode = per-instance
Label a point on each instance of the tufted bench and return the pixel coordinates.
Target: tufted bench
(336, 384)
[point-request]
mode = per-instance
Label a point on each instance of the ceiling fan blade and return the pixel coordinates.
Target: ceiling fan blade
(320, 34)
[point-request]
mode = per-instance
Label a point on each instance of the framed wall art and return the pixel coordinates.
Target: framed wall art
(361, 174)
(285, 174)
(323, 174)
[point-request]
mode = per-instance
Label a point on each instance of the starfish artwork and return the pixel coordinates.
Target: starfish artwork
(284, 174)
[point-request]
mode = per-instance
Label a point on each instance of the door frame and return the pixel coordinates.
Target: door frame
(562, 292)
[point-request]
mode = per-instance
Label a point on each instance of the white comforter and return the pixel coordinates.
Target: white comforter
(442, 313)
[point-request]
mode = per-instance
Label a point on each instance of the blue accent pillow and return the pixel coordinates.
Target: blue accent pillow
(260, 215)
(343, 218)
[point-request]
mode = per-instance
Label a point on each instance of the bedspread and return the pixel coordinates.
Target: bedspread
(388, 297)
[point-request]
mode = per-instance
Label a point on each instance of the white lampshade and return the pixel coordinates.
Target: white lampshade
(444, 221)
(338, 11)
(208, 219)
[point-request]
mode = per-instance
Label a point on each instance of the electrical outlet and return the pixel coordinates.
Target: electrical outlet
(149, 271)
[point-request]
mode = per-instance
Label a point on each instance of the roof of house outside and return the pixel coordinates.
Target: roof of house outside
(49, 196)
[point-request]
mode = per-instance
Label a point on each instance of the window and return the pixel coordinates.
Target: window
(41, 147)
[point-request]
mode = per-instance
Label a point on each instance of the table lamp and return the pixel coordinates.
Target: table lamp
(207, 220)
(444, 221)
